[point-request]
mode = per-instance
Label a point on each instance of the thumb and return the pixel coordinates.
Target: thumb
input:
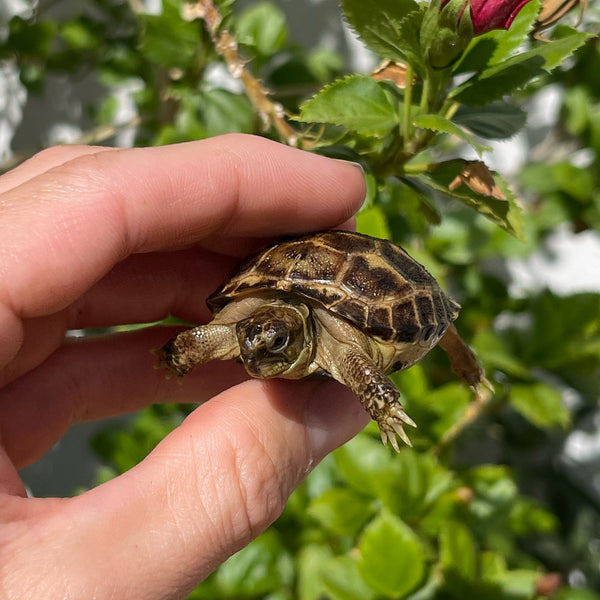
(207, 489)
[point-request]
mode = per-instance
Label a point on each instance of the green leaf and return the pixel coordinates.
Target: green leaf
(499, 80)
(168, 39)
(341, 511)
(27, 38)
(528, 518)
(355, 102)
(573, 340)
(225, 112)
(263, 26)
(392, 559)
(442, 125)
(372, 221)
(445, 406)
(577, 182)
(477, 56)
(366, 465)
(411, 44)
(310, 561)
(518, 584)
(502, 212)
(388, 27)
(261, 567)
(421, 482)
(82, 34)
(458, 553)
(342, 580)
(496, 121)
(507, 76)
(540, 404)
(492, 350)
(561, 47)
(508, 41)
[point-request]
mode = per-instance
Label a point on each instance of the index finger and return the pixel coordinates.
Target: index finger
(65, 228)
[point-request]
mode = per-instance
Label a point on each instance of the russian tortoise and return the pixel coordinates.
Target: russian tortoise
(334, 303)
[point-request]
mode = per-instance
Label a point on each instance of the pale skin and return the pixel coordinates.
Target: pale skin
(93, 237)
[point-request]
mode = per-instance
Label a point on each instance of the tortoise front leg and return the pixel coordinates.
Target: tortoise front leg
(195, 346)
(378, 395)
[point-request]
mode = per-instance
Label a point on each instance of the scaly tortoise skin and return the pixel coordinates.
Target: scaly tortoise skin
(335, 303)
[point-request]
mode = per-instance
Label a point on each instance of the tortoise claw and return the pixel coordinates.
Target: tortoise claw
(390, 435)
(401, 434)
(482, 389)
(400, 414)
(391, 426)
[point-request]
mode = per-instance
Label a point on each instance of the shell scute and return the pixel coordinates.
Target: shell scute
(403, 263)
(425, 310)
(324, 294)
(348, 242)
(405, 321)
(378, 322)
(373, 283)
(352, 309)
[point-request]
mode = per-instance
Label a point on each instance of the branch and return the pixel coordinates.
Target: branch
(270, 113)
(480, 402)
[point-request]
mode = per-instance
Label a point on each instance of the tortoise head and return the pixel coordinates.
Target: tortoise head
(276, 340)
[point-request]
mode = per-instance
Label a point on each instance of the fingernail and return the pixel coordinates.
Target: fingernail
(333, 416)
(352, 163)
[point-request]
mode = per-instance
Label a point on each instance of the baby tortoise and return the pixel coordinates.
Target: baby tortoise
(334, 303)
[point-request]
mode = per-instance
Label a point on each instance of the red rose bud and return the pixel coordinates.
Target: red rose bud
(492, 14)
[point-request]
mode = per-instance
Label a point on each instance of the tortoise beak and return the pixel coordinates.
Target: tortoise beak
(262, 363)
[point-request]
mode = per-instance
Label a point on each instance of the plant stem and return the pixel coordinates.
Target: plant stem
(450, 110)
(418, 168)
(271, 113)
(407, 105)
(424, 105)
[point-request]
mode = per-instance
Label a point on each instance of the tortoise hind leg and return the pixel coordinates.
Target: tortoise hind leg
(463, 361)
(378, 395)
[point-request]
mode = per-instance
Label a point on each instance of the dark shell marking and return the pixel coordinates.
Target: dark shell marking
(371, 282)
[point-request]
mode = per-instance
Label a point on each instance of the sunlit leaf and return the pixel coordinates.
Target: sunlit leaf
(343, 581)
(262, 25)
(372, 221)
(341, 511)
(458, 552)
(440, 124)
(392, 558)
(262, 566)
(388, 27)
(356, 102)
(309, 566)
(540, 404)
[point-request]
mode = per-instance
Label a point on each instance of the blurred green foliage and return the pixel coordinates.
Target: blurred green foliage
(493, 512)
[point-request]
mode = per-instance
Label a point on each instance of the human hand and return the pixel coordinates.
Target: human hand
(94, 237)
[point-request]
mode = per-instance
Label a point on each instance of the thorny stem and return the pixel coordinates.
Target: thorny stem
(271, 113)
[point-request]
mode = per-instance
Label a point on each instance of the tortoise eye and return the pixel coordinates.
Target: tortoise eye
(279, 342)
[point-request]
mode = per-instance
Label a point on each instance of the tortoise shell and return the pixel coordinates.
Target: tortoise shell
(371, 282)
